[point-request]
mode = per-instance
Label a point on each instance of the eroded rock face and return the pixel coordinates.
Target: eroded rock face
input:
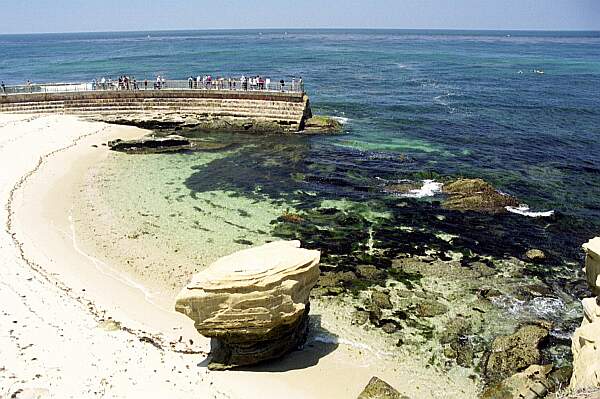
(586, 339)
(476, 195)
(586, 347)
(253, 303)
(592, 264)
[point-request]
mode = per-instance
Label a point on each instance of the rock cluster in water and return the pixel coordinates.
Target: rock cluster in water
(322, 124)
(254, 303)
(586, 340)
(476, 195)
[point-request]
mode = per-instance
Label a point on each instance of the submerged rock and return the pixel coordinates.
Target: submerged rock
(151, 144)
(476, 195)
(370, 272)
(430, 308)
(253, 303)
(322, 124)
(381, 300)
(535, 255)
(515, 352)
(379, 389)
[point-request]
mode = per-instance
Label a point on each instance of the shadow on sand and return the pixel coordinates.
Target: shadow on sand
(319, 344)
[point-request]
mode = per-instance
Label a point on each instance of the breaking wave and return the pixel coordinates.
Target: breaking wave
(429, 189)
(525, 211)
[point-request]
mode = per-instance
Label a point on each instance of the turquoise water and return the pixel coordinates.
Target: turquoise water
(416, 105)
(454, 102)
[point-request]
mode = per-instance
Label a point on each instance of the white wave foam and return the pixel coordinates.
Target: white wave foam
(429, 189)
(525, 211)
(541, 307)
(340, 119)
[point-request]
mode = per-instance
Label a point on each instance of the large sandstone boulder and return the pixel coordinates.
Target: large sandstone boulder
(254, 303)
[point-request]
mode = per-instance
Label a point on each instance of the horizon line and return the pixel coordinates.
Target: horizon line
(306, 29)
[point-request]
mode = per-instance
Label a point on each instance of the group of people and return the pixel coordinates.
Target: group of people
(126, 83)
(257, 82)
(243, 83)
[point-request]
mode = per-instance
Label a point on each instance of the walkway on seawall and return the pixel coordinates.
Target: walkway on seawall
(269, 108)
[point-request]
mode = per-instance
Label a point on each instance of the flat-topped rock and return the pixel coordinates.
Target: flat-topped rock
(253, 303)
(151, 144)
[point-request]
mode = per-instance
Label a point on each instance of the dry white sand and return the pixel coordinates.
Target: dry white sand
(56, 298)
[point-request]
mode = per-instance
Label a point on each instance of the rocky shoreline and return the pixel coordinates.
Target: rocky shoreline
(435, 294)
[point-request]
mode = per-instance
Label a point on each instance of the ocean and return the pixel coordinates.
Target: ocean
(520, 110)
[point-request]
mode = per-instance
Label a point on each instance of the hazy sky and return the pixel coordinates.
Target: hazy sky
(22, 16)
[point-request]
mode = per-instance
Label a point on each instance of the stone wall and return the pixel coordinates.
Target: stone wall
(201, 109)
(586, 340)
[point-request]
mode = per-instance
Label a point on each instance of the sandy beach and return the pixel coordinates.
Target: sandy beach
(77, 324)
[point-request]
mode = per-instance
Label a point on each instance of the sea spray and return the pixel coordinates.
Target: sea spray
(429, 189)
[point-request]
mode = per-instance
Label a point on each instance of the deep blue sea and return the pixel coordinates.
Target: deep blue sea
(417, 105)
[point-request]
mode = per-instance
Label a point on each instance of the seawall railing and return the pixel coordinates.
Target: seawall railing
(265, 85)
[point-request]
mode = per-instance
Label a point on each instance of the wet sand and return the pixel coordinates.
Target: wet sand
(59, 294)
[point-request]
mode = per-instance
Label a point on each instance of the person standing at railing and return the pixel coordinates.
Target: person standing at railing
(301, 85)
(282, 84)
(191, 82)
(198, 82)
(163, 82)
(145, 84)
(3, 87)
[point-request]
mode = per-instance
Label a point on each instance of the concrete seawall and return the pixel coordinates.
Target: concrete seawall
(251, 111)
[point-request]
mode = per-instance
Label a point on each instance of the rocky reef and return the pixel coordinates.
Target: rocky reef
(254, 303)
(322, 124)
(476, 195)
(586, 340)
(171, 143)
(163, 144)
